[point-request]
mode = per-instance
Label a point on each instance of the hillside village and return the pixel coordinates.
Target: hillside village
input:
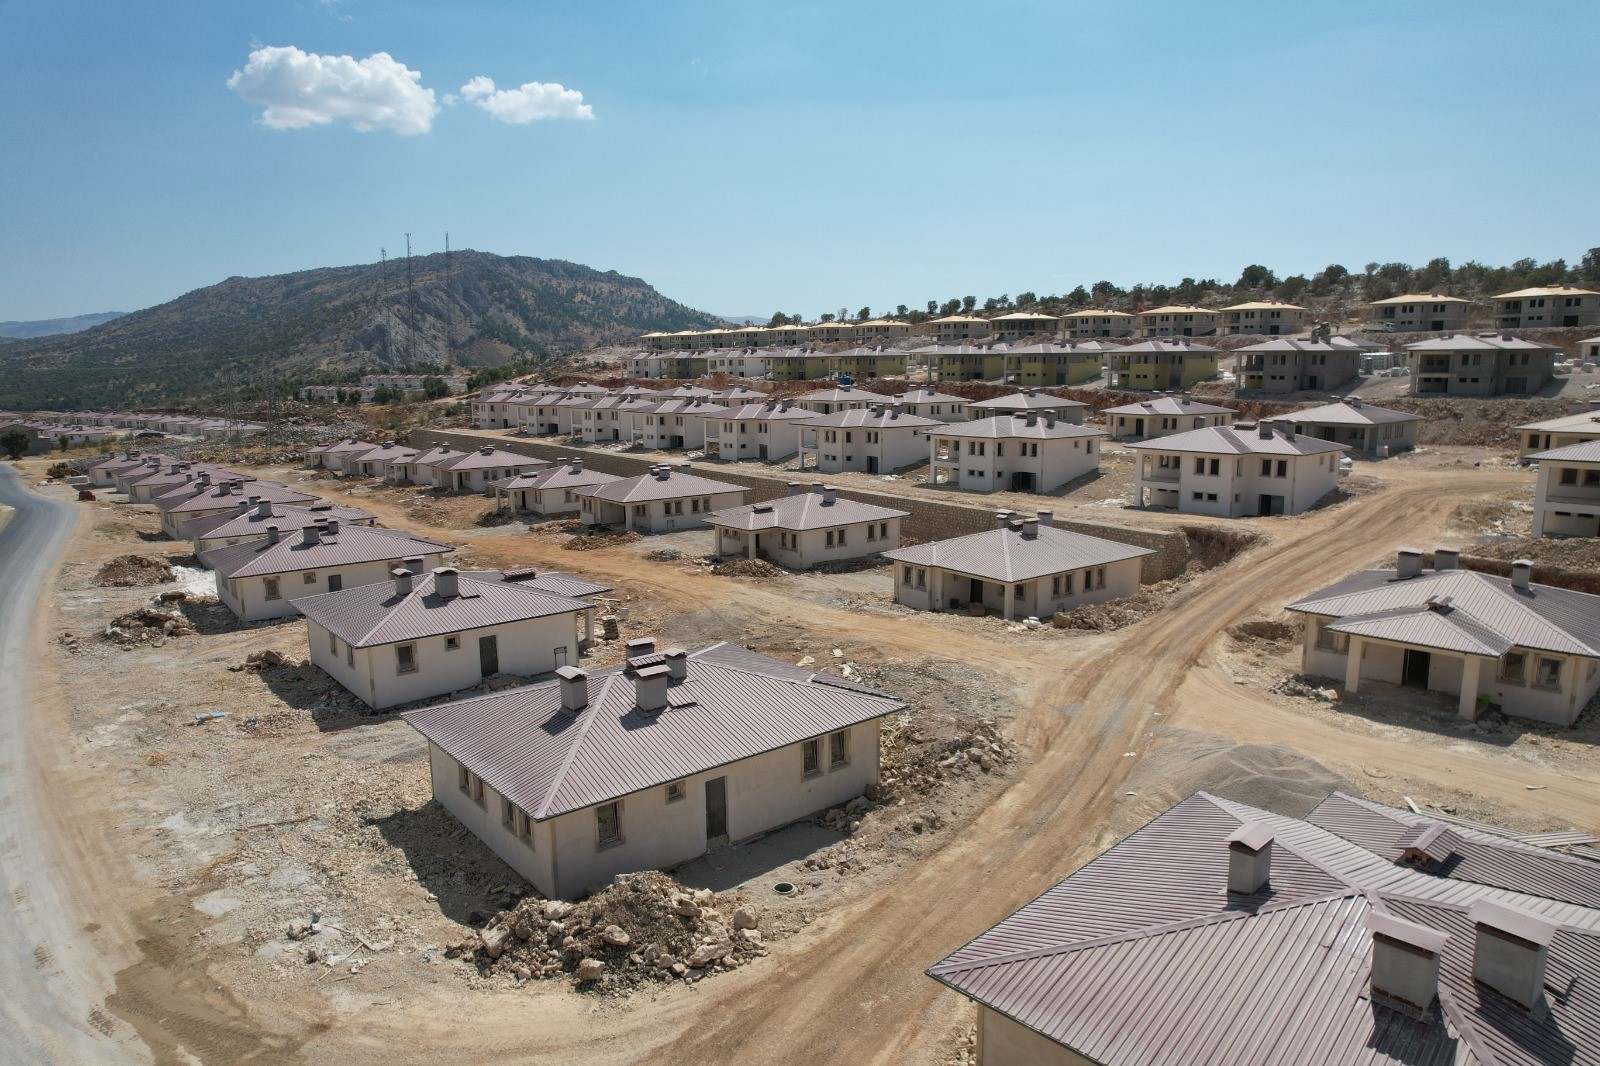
(668, 670)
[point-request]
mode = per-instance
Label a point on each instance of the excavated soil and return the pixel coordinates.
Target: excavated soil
(134, 571)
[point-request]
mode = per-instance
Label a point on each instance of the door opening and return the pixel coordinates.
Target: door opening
(489, 655)
(716, 811)
(1414, 671)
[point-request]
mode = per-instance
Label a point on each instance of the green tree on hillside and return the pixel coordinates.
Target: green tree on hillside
(15, 442)
(434, 388)
(968, 303)
(1256, 276)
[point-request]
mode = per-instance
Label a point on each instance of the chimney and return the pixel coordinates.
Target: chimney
(246, 505)
(1288, 431)
(1030, 528)
(650, 688)
(1050, 419)
(684, 468)
(413, 563)
(402, 581)
(793, 488)
(486, 450)
(1521, 571)
(1186, 397)
(1249, 858)
(1446, 558)
(311, 534)
(1355, 401)
(272, 534)
(677, 663)
(816, 487)
(830, 493)
(1405, 959)
(1264, 431)
(662, 472)
(1047, 519)
(640, 646)
(563, 460)
(574, 688)
(447, 582)
(1408, 563)
(1032, 419)
(1002, 519)
(333, 527)
(577, 466)
(1510, 950)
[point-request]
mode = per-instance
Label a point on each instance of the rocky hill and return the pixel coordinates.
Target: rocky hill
(473, 310)
(49, 327)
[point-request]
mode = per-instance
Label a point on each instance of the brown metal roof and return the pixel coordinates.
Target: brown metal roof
(649, 487)
(1466, 342)
(493, 459)
(1168, 405)
(1014, 426)
(352, 544)
(1345, 413)
(1583, 452)
(732, 705)
(1024, 401)
(1236, 440)
(805, 510)
(228, 494)
(286, 517)
(559, 476)
(1012, 555)
(1441, 627)
(868, 418)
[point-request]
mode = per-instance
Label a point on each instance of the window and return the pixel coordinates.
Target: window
(271, 584)
(842, 540)
(905, 575)
(1549, 675)
(1100, 577)
(838, 754)
(309, 578)
(1216, 467)
(883, 531)
(830, 538)
(349, 654)
(1199, 495)
(333, 644)
(1266, 468)
(1283, 468)
(405, 658)
(922, 578)
(1569, 475)
(463, 779)
(452, 643)
(676, 791)
(1199, 464)
(1328, 640)
(608, 823)
(508, 814)
(1513, 668)
(809, 758)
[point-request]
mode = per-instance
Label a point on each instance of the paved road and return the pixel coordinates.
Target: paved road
(51, 994)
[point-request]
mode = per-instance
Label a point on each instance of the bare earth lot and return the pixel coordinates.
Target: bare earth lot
(208, 839)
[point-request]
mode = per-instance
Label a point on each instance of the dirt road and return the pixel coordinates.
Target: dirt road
(54, 977)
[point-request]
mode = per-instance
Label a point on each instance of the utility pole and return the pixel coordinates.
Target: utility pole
(411, 307)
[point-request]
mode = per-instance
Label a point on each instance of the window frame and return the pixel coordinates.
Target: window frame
(400, 659)
(615, 809)
(838, 749)
(810, 758)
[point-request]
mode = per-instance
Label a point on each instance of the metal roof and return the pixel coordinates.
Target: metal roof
(843, 394)
(1143, 956)
(227, 495)
(1012, 555)
(733, 704)
(1345, 413)
(868, 418)
(1467, 342)
(1418, 298)
(286, 517)
(1583, 452)
(371, 615)
(1443, 628)
(1263, 305)
(1322, 346)
(771, 411)
(1546, 290)
(560, 476)
(1163, 346)
(1012, 426)
(1168, 405)
(804, 510)
(1025, 401)
(494, 459)
(1542, 618)
(1237, 440)
(352, 544)
(1583, 421)
(645, 488)
(930, 396)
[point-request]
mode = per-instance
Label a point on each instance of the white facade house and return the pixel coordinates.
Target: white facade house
(931, 403)
(1583, 424)
(1375, 432)
(326, 456)
(672, 424)
(416, 636)
(1566, 498)
(476, 470)
(807, 528)
(387, 461)
(877, 440)
(1020, 453)
(650, 763)
(260, 579)
(1162, 416)
(551, 491)
(103, 474)
(203, 498)
(1234, 471)
(1024, 567)
(768, 432)
(250, 519)
(1030, 401)
(840, 398)
(1532, 650)
(662, 501)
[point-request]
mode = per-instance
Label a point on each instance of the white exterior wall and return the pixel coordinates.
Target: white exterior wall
(1239, 483)
(809, 547)
(745, 440)
(1003, 1042)
(1038, 597)
(1151, 426)
(764, 792)
(1058, 462)
(656, 519)
(251, 603)
(1362, 440)
(1565, 510)
(655, 431)
(851, 449)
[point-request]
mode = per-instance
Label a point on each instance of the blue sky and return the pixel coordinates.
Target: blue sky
(753, 157)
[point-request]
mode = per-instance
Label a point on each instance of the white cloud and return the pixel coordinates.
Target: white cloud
(532, 101)
(298, 89)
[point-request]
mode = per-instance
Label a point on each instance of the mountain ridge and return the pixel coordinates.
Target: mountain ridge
(31, 329)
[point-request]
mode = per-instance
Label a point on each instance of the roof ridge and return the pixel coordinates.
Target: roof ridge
(585, 723)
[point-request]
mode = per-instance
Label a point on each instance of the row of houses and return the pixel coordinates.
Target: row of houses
(181, 425)
(411, 385)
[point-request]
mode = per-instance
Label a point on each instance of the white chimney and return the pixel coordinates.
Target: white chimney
(1405, 959)
(1521, 572)
(677, 663)
(1249, 858)
(577, 466)
(446, 582)
(402, 581)
(1446, 558)
(1264, 431)
(1047, 518)
(1408, 563)
(272, 534)
(1002, 519)
(1511, 948)
(650, 688)
(830, 493)
(574, 688)
(311, 534)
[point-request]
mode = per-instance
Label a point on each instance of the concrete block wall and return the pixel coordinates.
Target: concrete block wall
(929, 519)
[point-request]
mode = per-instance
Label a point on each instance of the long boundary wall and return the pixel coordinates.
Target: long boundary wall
(929, 519)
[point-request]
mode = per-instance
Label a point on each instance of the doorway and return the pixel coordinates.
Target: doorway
(1138, 427)
(1270, 505)
(1414, 670)
(872, 464)
(975, 593)
(1021, 481)
(716, 811)
(489, 655)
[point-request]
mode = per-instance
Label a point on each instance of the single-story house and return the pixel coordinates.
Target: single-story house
(551, 491)
(649, 763)
(662, 501)
(181, 506)
(250, 519)
(1566, 497)
(807, 528)
(417, 636)
(386, 461)
(877, 440)
(261, 578)
(103, 474)
(328, 456)
(1234, 471)
(1366, 430)
(931, 403)
(474, 471)
(1575, 428)
(1024, 567)
(1532, 650)
(1162, 416)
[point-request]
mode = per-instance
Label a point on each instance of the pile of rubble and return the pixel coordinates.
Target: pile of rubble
(151, 624)
(645, 927)
(268, 659)
(496, 516)
(592, 541)
(747, 568)
(1264, 629)
(1309, 688)
(915, 761)
(1114, 614)
(133, 571)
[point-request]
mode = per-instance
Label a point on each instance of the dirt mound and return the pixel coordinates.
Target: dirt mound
(151, 624)
(646, 927)
(1211, 547)
(748, 568)
(1264, 629)
(593, 541)
(495, 516)
(1274, 777)
(1114, 614)
(916, 760)
(134, 571)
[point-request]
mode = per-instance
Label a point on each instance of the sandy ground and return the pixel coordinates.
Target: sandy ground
(1110, 728)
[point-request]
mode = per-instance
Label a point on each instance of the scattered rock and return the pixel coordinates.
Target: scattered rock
(590, 970)
(132, 571)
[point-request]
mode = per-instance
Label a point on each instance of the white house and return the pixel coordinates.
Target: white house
(1024, 567)
(476, 470)
(250, 519)
(413, 636)
(1162, 416)
(201, 499)
(103, 474)
(1583, 424)
(260, 578)
(839, 398)
(551, 491)
(327, 456)
(661, 501)
(378, 461)
(647, 764)
(1021, 452)
(1030, 401)
(931, 403)
(766, 431)
(1366, 430)
(1233, 471)
(1532, 650)
(805, 529)
(671, 424)
(878, 440)
(1566, 499)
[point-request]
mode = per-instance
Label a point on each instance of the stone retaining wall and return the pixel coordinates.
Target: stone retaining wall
(929, 519)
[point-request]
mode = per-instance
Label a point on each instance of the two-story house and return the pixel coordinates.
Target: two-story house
(878, 440)
(1161, 365)
(1177, 320)
(1545, 306)
(1482, 364)
(1264, 316)
(1162, 416)
(1090, 323)
(1375, 432)
(1022, 452)
(1421, 312)
(1285, 364)
(1233, 471)
(768, 432)
(1566, 499)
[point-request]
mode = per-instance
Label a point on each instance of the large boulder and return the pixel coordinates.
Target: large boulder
(494, 940)
(590, 970)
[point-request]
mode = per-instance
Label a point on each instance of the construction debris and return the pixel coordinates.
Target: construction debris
(592, 541)
(133, 571)
(1114, 614)
(747, 568)
(150, 625)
